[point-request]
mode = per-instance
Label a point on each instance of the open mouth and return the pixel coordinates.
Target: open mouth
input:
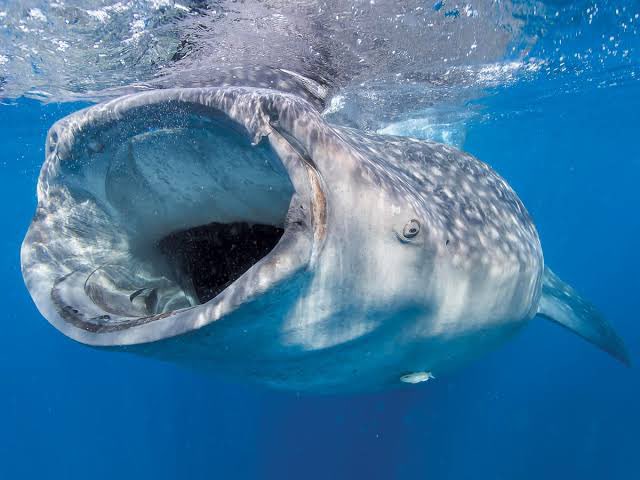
(157, 205)
(199, 206)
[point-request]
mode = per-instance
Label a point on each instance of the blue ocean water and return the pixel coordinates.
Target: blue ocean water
(547, 404)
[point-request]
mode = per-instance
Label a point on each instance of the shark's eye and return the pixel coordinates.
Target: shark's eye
(411, 229)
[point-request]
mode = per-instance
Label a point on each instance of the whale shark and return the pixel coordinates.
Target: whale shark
(232, 229)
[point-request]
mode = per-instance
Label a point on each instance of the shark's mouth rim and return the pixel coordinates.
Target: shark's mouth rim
(301, 239)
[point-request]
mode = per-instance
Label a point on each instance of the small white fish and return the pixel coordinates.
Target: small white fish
(417, 377)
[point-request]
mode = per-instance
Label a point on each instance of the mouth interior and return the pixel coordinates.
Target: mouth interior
(213, 256)
(191, 205)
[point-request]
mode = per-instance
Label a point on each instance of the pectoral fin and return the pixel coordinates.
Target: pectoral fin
(561, 304)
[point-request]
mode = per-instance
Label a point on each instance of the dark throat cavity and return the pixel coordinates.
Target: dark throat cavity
(211, 257)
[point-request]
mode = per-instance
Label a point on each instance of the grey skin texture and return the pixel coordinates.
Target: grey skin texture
(400, 258)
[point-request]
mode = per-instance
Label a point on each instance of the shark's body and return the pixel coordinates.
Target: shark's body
(234, 229)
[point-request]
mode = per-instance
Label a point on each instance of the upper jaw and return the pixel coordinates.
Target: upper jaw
(60, 260)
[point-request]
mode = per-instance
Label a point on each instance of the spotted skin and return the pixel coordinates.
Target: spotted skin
(477, 214)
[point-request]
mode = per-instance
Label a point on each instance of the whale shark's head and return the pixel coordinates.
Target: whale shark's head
(241, 223)
(162, 203)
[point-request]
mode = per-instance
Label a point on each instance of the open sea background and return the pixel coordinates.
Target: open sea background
(545, 405)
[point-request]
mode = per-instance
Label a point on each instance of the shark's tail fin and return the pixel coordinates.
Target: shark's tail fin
(562, 304)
